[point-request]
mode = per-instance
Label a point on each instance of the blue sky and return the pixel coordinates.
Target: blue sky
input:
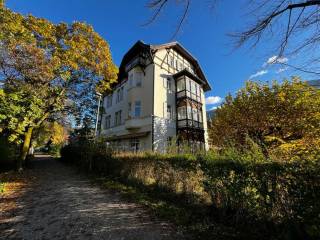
(204, 35)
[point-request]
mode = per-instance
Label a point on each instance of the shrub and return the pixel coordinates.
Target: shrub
(283, 195)
(241, 188)
(8, 154)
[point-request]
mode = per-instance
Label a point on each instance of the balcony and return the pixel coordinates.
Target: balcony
(138, 61)
(137, 123)
(133, 123)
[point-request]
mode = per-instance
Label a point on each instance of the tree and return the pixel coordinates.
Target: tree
(273, 116)
(50, 133)
(293, 25)
(48, 68)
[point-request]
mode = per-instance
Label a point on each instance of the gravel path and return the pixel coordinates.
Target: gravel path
(62, 204)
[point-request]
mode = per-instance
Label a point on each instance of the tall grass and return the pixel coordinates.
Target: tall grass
(232, 188)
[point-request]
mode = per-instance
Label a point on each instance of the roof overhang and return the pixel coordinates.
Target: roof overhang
(186, 54)
(185, 72)
(140, 45)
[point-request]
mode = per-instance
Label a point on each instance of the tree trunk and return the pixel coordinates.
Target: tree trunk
(25, 148)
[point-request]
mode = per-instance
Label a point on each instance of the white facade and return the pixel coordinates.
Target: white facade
(141, 113)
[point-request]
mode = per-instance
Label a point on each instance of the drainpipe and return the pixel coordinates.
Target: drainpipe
(99, 95)
(152, 116)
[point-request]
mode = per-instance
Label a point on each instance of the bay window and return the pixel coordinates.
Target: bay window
(186, 87)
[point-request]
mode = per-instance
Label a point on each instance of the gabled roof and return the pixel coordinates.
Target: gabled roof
(140, 45)
(186, 54)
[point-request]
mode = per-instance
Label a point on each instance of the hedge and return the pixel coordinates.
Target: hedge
(273, 200)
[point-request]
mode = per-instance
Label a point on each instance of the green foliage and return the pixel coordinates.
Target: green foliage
(221, 194)
(281, 194)
(46, 69)
(18, 110)
(282, 119)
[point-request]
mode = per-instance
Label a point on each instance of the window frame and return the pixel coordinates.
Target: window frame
(117, 119)
(107, 123)
(169, 112)
(137, 107)
(109, 101)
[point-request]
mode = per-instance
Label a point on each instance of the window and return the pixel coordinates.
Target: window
(129, 110)
(135, 144)
(169, 87)
(169, 112)
(189, 111)
(181, 85)
(182, 113)
(180, 66)
(193, 87)
(131, 79)
(170, 61)
(195, 114)
(120, 95)
(138, 79)
(187, 84)
(109, 101)
(108, 122)
(117, 119)
(200, 115)
(177, 65)
(137, 109)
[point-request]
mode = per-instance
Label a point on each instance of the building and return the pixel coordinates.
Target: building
(159, 98)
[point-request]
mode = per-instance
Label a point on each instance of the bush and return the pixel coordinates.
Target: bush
(236, 189)
(283, 196)
(8, 154)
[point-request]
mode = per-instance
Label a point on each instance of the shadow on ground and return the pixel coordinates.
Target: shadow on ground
(62, 204)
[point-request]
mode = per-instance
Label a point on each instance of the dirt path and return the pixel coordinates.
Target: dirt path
(62, 204)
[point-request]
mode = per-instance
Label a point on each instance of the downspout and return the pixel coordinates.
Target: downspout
(152, 116)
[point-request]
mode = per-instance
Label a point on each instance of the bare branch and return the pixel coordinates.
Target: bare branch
(158, 5)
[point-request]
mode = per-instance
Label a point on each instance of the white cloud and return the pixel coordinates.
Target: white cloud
(280, 70)
(275, 59)
(213, 100)
(257, 74)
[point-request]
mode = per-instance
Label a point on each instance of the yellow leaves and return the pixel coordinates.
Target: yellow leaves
(58, 133)
(272, 115)
(307, 148)
(282, 96)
